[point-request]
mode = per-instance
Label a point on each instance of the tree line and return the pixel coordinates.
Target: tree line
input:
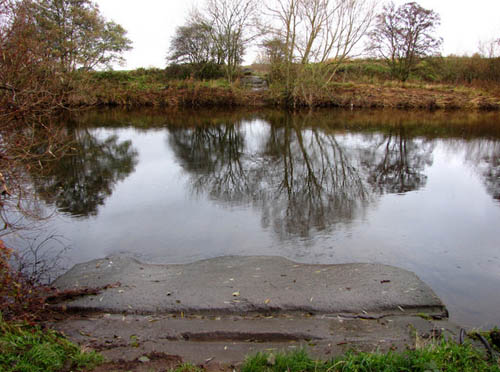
(305, 42)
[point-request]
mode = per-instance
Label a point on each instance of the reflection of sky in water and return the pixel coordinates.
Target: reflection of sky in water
(446, 230)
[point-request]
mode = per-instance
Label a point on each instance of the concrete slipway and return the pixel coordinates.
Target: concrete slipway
(224, 308)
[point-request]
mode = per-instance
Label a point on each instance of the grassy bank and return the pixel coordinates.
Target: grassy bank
(443, 356)
(26, 348)
(153, 88)
(216, 93)
(441, 83)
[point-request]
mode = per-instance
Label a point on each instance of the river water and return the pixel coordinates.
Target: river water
(415, 190)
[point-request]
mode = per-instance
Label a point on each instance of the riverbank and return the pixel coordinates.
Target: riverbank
(220, 314)
(127, 89)
(278, 316)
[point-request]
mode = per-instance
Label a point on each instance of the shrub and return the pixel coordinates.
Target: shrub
(20, 298)
(199, 71)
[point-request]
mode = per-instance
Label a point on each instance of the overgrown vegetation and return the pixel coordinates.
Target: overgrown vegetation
(435, 83)
(20, 299)
(441, 356)
(24, 345)
(25, 348)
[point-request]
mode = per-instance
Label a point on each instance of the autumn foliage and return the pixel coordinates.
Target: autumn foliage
(20, 299)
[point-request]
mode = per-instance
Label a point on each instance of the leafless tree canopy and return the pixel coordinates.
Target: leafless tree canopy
(319, 34)
(404, 34)
(232, 23)
(319, 30)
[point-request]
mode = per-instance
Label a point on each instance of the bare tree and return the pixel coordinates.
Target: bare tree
(403, 35)
(232, 23)
(319, 34)
(489, 48)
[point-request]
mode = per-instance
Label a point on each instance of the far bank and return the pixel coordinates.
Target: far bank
(153, 88)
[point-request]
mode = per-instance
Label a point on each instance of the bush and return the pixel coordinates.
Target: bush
(198, 71)
(113, 76)
(20, 298)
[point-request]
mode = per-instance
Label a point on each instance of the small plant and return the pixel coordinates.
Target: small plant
(186, 367)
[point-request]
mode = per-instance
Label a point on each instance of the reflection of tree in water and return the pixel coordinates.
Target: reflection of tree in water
(313, 182)
(491, 176)
(484, 155)
(213, 154)
(395, 163)
(300, 179)
(79, 183)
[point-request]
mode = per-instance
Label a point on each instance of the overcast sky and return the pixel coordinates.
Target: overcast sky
(151, 24)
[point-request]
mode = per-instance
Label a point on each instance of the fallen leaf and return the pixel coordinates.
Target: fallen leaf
(144, 359)
(267, 301)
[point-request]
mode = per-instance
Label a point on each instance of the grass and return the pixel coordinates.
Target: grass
(492, 336)
(27, 348)
(359, 83)
(439, 356)
(187, 367)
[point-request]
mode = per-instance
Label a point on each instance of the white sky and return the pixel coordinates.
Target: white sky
(151, 24)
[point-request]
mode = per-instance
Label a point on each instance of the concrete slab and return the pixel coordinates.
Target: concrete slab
(242, 285)
(229, 339)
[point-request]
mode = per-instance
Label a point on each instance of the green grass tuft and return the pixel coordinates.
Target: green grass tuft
(441, 356)
(27, 348)
(186, 367)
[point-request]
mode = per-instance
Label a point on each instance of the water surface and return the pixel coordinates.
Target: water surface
(419, 191)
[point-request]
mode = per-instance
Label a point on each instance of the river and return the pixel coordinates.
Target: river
(415, 190)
